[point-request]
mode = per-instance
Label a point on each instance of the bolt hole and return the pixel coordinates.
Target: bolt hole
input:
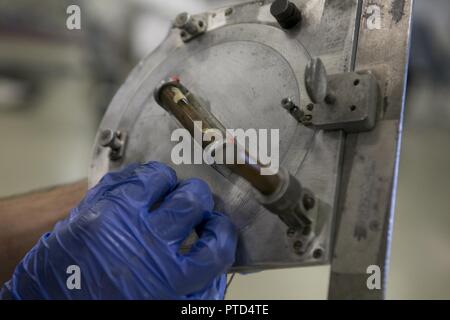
(356, 82)
(183, 34)
(228, 12)
(310, 107)
(352, 108)
(201, 24)
(308, 202)
(317, 254)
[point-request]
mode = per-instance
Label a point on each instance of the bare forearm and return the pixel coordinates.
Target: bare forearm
(23, 219)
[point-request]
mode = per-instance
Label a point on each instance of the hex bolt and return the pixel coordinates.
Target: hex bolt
(286, 13)
(115, 141)
(108, 138)
(190, 26)
(185, 22)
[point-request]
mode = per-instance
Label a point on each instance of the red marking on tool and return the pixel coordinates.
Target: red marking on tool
(175, 79)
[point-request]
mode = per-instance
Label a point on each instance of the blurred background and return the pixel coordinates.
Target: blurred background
(56, 84)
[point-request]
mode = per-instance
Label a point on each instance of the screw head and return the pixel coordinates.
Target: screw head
(181, 20)
(106, 137)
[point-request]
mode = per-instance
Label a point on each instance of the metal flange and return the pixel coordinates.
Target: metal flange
(345, 101)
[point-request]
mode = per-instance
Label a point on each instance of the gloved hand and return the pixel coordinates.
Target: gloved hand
(125, 238)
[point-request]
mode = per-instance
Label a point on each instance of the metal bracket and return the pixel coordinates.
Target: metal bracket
(345, 101)
(302, 240)
(190, 26)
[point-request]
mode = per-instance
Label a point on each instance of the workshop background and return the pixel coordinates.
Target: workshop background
(55, 85)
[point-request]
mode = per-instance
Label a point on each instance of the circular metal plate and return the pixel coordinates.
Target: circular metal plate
(241, 72)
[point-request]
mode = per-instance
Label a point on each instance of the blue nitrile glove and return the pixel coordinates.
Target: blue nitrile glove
(125, 238)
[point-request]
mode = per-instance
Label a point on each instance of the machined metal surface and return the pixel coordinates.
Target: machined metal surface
(245, 51)
(355, 104)
(251, 64)
(346, 101)
(371, 159)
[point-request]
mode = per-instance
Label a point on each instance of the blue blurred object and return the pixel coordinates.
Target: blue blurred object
(125, 251)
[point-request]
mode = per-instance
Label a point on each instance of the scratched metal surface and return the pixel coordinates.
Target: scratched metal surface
(367, 197)
(221, 67)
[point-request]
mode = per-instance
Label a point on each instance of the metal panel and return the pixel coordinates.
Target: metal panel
(367, 198)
